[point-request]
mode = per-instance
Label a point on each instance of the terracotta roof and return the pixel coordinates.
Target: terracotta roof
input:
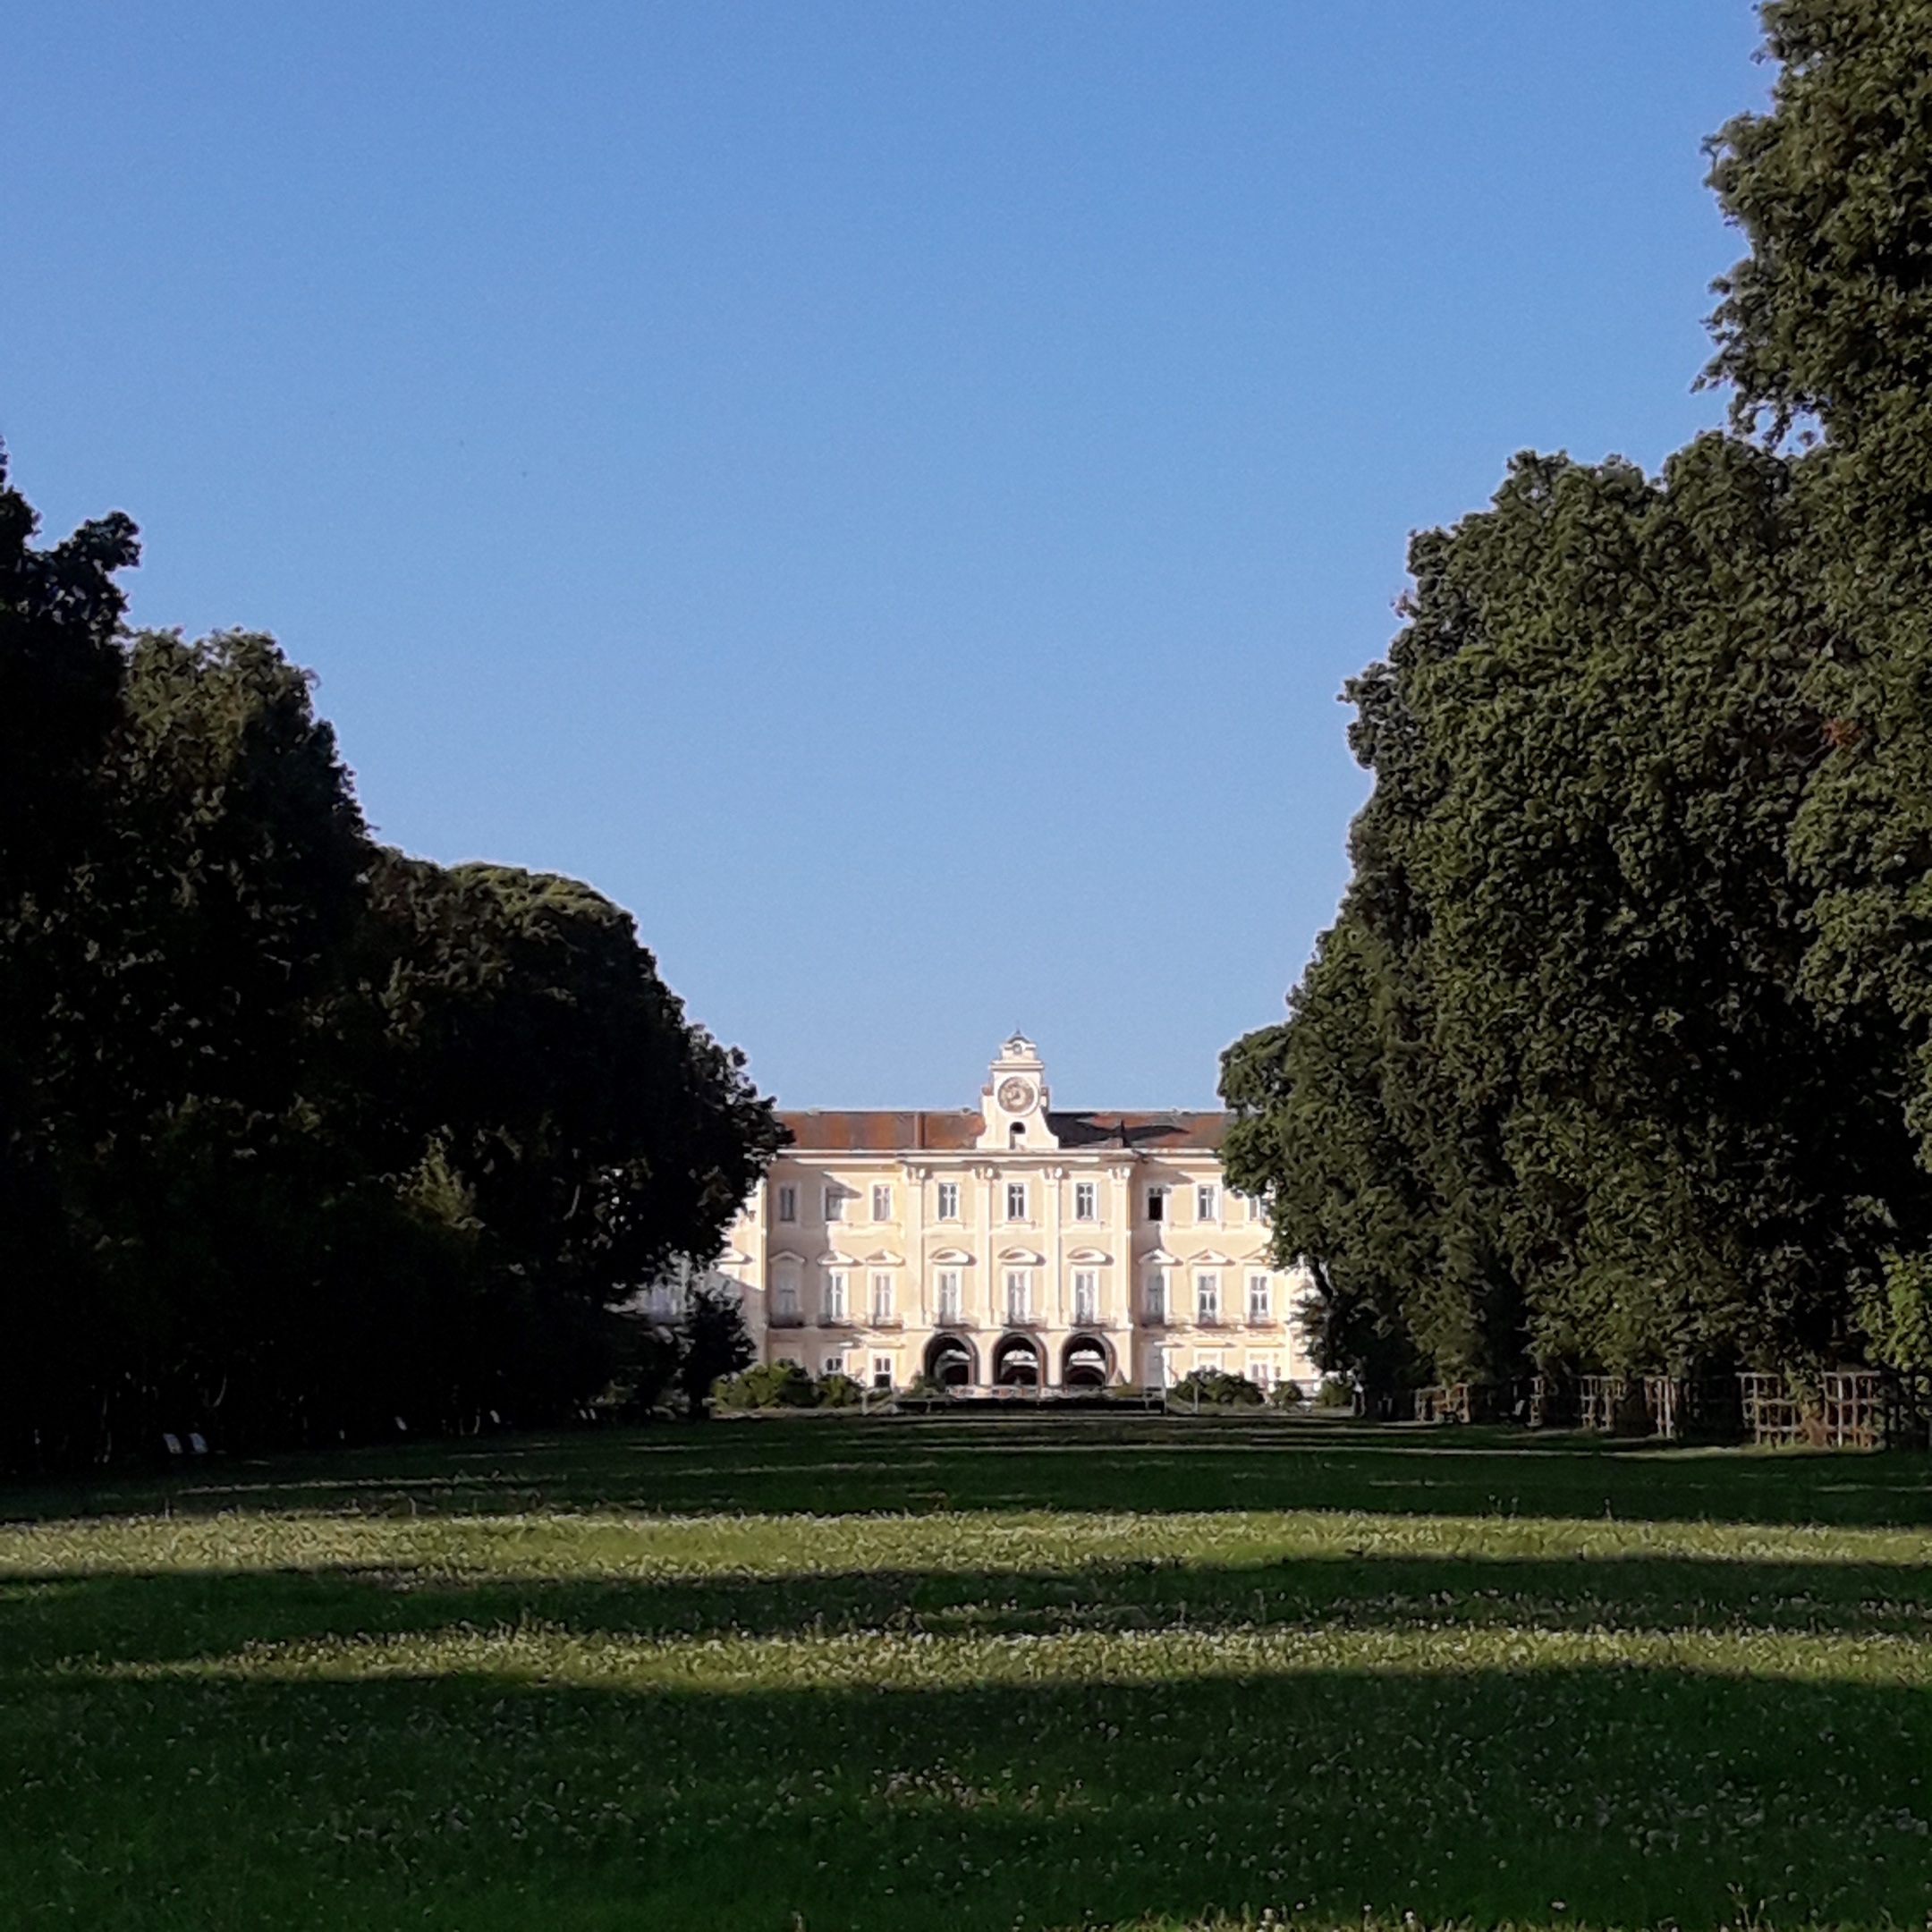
(885, 1131)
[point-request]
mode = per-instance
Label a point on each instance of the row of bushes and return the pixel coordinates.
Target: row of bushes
(786, 1386)
(1215, 1388)
(783, 1385)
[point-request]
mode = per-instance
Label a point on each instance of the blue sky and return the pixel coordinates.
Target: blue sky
(888, 493)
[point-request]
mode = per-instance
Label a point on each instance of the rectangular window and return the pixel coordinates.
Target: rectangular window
(1155, 1302)
(882, 1371)
(785, 1304)
(949, 1294)
(949, 1200)
(1157, 1204)
(1016, 1200)
(1257, 1298)
(835, 1365)
(1256, 1209)
(835, 1204)
(1086, 1297)
(1016, 1295)
(1263, 1371)
(834, 1295)
(882, 1297)
(788, 1204)
(881, 1204)
(1086, 1201)
(1207, 1297)
(1207, 1203)
(1156, 1368)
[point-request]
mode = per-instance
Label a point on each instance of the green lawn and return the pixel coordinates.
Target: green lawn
(853, 1674)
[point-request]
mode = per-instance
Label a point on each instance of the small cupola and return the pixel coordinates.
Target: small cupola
(1013, 1100)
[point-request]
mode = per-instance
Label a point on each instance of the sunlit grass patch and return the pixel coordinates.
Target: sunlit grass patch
(532, 1653)
(602, 1545)
(395, 1707)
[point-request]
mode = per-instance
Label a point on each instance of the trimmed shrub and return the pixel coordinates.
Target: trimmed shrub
(766, 1386)
(838, 1392)
(1215, 1388)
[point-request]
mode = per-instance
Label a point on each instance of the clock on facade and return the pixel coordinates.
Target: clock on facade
(1015, 1095)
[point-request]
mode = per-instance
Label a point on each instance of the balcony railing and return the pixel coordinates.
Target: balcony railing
(887, 1320)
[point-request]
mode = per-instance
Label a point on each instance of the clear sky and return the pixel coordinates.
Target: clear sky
(889, 493)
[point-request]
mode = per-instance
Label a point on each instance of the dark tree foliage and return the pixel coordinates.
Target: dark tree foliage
(62, 672)
(1826, 328)
(299, 1137)
(712, 1344)
(1620, 1053)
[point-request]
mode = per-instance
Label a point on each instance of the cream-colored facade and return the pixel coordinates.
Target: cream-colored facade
(1014, 1246)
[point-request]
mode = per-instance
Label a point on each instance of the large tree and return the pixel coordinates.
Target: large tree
(1825, 335)
(1551, 1089)
(299, 1135)
(1627, 1013)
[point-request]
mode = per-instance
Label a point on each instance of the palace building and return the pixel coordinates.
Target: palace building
(1012, 1246)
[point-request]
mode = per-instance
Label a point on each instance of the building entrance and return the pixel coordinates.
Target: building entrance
(1085, 1362)
(1016, 1362)
(949, 1361)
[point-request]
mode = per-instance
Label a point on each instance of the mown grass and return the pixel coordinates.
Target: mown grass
(837, 1673)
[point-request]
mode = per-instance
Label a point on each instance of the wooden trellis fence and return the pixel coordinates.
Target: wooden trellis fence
(1553, 1402)
(1464, 1402)
(1610, 1403)
(1846, 1409)
(1773, 1410)
(1853, 1409)
(1445, 1402)
(1666, 1400)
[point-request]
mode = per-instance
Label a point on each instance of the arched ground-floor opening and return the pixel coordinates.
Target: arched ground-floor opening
(1016, 1362)
(1085, 1362)
(949, 1361)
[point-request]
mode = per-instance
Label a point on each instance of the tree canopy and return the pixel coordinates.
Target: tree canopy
(300, 1136)
(1619, 1056)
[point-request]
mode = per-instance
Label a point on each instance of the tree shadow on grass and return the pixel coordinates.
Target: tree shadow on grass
(172, 1616)
(835, 1466)
(1589, 1796)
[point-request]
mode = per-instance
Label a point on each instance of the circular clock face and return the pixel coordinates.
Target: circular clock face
(1016, 1097)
